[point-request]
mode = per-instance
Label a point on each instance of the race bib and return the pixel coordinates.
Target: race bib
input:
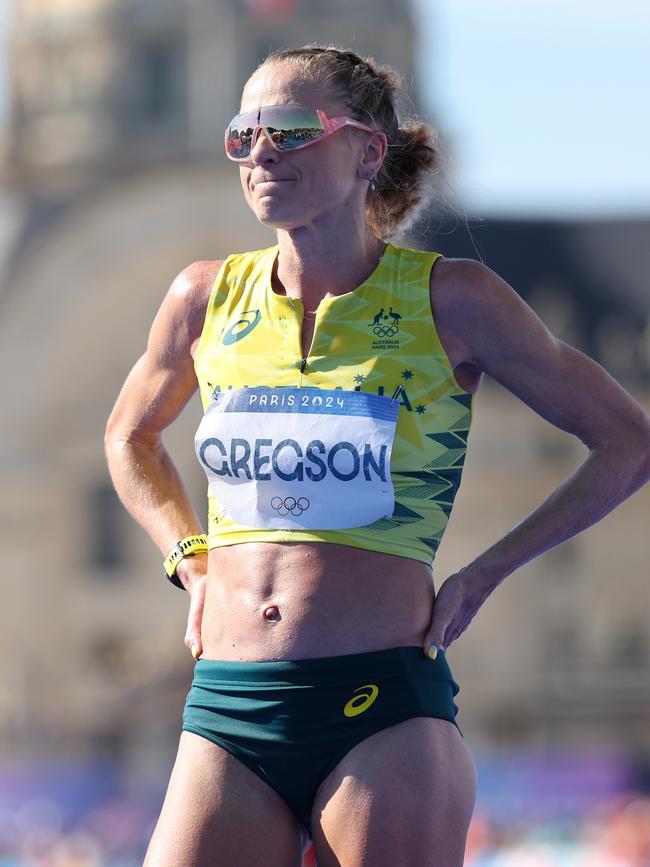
(299, 458)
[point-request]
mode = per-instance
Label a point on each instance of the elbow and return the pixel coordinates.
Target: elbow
(633, 444)
(116, 436)
(109, 436)
(113, 434)
(642, 450)
(645, 448)
(112, 442)
(645, 468)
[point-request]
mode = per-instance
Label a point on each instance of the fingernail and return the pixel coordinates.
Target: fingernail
(432, 652)
(195, 651)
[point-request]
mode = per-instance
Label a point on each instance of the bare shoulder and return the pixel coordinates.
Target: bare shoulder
(494, 330)
(469, 301)
(452, 285)
(188, 296)
(162, 380)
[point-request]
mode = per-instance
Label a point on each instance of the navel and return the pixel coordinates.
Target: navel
(272, 613)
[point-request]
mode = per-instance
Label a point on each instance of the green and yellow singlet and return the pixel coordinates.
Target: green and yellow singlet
(379, 339)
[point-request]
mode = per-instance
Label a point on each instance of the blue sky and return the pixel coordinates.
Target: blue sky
(544, 103)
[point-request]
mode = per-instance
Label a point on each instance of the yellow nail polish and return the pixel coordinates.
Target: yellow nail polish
(432, 652)
(195, 651)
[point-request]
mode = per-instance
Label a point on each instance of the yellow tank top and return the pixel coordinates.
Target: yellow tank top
(375, 339)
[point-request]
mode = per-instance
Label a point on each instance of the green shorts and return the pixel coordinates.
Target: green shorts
(292, 721)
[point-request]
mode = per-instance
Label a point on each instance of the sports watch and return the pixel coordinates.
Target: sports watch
(187, 547)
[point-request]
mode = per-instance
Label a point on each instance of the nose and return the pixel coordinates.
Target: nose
(262, 151)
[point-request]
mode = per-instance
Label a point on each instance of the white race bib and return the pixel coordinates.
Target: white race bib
(299, 458)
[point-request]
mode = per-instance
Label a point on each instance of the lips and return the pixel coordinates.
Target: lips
(268, 187)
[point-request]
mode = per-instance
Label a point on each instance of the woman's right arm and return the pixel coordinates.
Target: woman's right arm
(154, 393)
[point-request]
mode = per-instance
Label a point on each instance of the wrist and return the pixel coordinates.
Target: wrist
(192, 568)
(485, 570)
(185, 548)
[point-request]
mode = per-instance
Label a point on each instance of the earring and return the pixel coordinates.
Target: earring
(370, 177)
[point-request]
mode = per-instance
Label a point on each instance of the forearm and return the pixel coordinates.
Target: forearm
(607, 476)
(149, 486)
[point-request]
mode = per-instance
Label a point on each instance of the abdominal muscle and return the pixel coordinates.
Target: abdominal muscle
(295, 600)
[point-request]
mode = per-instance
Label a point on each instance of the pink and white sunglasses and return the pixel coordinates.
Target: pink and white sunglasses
(287, 128)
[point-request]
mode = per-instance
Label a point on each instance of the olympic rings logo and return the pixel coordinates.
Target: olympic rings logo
(290, 506)
(385, 330)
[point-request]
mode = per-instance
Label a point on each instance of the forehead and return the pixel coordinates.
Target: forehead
(284, 83)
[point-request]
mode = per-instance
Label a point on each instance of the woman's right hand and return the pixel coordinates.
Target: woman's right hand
(159, 385)
(193, 574)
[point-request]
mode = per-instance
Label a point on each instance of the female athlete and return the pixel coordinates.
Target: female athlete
(336, 372)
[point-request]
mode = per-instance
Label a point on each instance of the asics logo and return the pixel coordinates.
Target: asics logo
(290, 504)
(249, 319)
(362, 701)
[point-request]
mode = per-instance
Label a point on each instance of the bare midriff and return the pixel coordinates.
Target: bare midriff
(267, 600)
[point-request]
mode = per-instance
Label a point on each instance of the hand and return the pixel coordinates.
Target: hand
(193, 574)
(458, 600)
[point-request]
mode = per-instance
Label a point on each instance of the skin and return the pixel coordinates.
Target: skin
(258, 601)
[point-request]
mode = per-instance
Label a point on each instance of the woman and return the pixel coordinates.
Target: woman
(337, 372)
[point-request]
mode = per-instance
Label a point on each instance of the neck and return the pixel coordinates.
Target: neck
(312, 266)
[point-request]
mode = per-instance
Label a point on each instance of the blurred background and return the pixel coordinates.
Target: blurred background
(113, 180)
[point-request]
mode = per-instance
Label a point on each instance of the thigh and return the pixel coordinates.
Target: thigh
(217, 813)
(405, 795)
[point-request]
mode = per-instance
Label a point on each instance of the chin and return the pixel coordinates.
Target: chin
(275, 221)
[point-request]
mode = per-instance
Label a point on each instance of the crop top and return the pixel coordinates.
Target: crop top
(375, 350)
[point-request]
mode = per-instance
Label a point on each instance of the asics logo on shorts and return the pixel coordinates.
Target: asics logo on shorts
(362, 701)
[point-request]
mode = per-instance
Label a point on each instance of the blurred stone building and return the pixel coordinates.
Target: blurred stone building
(113, 181)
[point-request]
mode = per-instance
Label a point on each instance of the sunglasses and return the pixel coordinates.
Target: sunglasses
(287, 128)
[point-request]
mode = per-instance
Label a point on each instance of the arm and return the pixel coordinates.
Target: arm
(154, 393)
(501, 335)
(507, 340)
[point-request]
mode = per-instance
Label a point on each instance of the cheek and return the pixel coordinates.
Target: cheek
(243, 177)
(329, 176)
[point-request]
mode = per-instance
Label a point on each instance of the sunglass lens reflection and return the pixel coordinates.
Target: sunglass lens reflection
(239, 142)
(286, 129)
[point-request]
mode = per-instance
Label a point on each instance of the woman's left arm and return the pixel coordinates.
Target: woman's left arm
(505, 338)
